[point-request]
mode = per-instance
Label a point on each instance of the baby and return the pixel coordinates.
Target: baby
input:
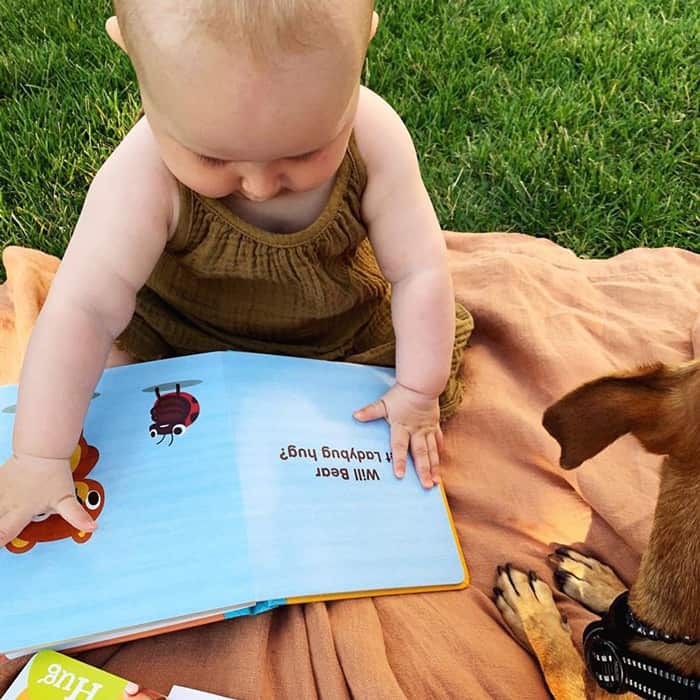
(266, 202)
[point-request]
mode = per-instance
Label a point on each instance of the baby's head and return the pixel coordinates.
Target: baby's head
(248, 98)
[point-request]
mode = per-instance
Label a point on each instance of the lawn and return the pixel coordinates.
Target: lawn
(572, 119)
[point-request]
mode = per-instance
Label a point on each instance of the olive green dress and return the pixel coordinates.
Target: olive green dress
(222, 284)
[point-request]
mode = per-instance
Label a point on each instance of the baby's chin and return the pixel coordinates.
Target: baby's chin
(238, 196)
(258, 200)
(282, 193)
(210, 192)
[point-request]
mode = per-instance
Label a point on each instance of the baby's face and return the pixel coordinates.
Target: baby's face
(227, 126)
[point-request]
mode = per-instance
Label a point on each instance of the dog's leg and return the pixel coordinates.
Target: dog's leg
(585, 579)
(528, 608)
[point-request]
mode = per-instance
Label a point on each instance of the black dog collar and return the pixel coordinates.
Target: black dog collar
(618, 670)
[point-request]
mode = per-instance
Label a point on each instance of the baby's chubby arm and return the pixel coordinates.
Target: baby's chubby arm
(124, 225)
(411, 251)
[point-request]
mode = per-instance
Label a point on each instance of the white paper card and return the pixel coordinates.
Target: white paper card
(178, 692)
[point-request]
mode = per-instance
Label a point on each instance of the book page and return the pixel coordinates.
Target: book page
(325, 513)
(171, 538)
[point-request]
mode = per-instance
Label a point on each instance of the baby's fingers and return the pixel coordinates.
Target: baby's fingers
(421, 459)
(373, 411)
(399, 448)
(12, 522)
(434, 455)
(71, 511)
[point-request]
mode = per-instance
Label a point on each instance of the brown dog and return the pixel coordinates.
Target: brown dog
(660, 405)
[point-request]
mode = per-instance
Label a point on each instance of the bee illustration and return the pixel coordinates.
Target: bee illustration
(172, 414)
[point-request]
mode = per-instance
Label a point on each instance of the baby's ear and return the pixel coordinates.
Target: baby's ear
(374, 25)
(115, 33)
(654, 403)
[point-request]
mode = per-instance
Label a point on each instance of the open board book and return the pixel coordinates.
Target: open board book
(222, 484)
(49, 675)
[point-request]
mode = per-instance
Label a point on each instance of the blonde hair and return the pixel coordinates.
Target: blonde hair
(263, 27)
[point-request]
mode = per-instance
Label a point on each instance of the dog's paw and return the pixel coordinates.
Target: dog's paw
(527, 605)
(585, 579)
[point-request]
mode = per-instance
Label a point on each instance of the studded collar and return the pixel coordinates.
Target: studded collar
(618, 670)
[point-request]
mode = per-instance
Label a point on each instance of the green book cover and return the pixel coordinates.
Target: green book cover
(49, 675)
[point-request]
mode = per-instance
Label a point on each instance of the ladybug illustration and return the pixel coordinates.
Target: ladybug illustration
(173, 413)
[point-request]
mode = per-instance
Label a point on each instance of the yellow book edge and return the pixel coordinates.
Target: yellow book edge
(398, 591)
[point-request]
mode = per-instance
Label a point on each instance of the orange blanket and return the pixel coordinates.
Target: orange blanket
(545, 321)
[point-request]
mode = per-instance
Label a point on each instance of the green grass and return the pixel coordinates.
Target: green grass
(572, 119)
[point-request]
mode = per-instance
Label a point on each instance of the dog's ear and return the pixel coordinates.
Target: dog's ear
(654, 403)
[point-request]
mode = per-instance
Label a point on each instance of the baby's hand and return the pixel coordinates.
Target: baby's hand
(30, 486)
(415, 422)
